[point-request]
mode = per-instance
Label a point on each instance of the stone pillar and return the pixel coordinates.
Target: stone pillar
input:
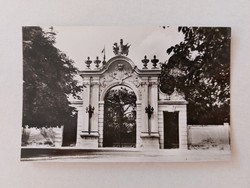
(150, 97)
(161, 125)
(100, 123)
(79, 125)
(94, 102)
(153, 101)
(183, 127)
(144, 122)
(86, 102)
(138, 124)
(85, 139)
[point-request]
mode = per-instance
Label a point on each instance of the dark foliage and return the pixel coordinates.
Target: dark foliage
(48, 78)
(200, 67)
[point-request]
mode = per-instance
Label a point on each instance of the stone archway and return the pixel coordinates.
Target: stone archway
(121, 71)
(119, 127)
(138, 110)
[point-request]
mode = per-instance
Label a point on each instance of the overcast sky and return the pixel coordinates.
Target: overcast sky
(80, 42)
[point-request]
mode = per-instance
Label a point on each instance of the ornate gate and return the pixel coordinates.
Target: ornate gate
(150, 102)
(119, 118)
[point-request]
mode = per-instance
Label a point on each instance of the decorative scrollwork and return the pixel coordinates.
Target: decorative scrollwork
(137, 82)
(176, 95)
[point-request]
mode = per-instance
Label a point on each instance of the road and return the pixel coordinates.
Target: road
(121, 155)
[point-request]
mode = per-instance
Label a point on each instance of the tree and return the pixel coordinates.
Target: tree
(119, 112)
(200, 68)
(48, 79)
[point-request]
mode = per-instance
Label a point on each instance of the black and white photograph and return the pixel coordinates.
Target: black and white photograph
(126, 94)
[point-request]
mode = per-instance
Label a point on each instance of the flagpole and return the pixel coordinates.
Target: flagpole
(104, 55)
(104, 52)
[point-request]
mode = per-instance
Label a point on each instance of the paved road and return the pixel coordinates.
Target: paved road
(121, 155)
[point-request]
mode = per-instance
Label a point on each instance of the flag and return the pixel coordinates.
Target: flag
(103, 51)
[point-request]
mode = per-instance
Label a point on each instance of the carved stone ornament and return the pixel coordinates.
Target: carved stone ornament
(145, 62)
(88, 62)
(97, 62)
(121, 49)
(120, 74)
(144, 83)
(176, 95)
(103, 82)
(163, 96)
(137, 82)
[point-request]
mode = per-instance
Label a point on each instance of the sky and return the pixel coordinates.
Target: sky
(88, 41)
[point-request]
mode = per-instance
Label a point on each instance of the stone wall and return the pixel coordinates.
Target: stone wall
(209, 136)
(42, 137)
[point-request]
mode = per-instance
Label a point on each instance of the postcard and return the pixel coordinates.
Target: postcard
(126, 94)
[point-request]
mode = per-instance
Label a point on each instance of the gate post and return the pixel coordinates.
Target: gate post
(100, 123)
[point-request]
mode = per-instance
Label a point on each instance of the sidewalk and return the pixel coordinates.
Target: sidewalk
(121, 155)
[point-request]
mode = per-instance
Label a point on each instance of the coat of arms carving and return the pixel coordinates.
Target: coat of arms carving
(120, 74)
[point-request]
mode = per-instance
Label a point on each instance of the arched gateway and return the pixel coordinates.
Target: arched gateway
(119, 117)
(160, 118)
